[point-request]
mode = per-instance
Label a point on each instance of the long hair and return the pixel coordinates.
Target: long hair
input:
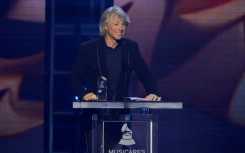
(105, 17)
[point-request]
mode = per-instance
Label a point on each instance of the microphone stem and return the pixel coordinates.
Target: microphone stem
(125, 84)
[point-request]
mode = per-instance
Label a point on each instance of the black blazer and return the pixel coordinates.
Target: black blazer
(91, 64)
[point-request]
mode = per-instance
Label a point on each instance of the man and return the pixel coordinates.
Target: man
(111, 57)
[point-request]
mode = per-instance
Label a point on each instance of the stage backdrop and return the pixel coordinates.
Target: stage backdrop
(196, 51)
(21, 75)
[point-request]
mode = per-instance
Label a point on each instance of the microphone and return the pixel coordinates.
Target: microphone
(125, 66)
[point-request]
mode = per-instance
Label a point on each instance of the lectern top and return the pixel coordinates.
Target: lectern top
(130, 105)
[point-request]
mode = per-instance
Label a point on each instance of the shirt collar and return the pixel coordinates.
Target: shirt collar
(105, 45)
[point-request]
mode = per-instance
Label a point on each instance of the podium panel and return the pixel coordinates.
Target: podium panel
(124, 133)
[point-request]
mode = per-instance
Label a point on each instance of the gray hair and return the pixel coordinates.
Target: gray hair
(105, 17)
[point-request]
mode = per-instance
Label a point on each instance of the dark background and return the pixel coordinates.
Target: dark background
(196, 59)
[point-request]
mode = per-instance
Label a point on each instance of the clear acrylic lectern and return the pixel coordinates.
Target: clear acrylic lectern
(126, 133)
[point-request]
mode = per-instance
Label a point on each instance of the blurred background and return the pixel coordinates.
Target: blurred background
(195, 49)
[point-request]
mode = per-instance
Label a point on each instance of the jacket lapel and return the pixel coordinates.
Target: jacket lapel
(101, 56)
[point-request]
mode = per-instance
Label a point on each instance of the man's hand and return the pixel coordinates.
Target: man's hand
(152, 97)
(90, 97)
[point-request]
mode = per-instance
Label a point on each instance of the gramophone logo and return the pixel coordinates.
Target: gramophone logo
(127, 138)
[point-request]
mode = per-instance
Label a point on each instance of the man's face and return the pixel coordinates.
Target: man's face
(115, 28)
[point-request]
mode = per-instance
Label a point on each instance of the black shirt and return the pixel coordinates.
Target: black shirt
(114, 66)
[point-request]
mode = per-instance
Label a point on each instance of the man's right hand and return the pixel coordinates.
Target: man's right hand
(90, 97)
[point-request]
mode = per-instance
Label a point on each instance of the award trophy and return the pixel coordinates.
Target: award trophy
(102, 89)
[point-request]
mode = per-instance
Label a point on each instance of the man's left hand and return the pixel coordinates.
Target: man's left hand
(152, 97)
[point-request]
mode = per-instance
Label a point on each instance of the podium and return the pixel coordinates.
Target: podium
(125, 132)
